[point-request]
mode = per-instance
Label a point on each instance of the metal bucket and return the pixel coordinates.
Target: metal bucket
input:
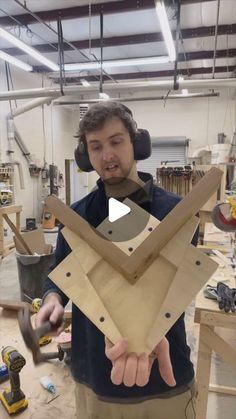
(32, 272)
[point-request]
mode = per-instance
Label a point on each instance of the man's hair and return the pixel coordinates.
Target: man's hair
(98, 114)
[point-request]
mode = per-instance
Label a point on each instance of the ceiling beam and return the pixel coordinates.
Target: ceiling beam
(83, 11)
(155, 74)
(132, 39)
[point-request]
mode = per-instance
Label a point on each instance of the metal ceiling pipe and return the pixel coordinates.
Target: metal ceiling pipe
(55, 92)
(136, 99)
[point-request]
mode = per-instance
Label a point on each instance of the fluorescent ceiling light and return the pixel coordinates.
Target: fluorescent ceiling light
(12, 60)
(165, 28)
(94, 65)
(29, 50)
(85, 83)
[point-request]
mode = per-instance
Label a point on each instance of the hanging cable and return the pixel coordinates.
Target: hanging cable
(207, 121)
(176, 83)
(52, 135)
(61, 54)
(216, 36)
(50, 28)
(101, 49)
(90, 28)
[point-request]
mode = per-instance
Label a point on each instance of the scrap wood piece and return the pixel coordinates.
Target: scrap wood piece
(17, 234)
(14, 305)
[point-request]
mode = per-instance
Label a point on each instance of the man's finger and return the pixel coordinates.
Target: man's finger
(165, 366)
(130, 372)
(117, 372)
(115, 351)
(143, 370)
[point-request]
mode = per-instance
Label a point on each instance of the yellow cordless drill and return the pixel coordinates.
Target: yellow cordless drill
(13, 399)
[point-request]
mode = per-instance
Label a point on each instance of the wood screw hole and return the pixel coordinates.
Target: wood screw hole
(198, 263)
(150, 229)
(102, 319)
(68, 274)
(168, 315)
(130, 249)
(110, 232)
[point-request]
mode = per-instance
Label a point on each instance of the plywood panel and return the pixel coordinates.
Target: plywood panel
(134, 308)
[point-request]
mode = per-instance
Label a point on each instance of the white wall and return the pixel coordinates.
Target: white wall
(199, 119)
(56, 146)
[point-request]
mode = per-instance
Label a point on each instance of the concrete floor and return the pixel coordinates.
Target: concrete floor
(219, 406)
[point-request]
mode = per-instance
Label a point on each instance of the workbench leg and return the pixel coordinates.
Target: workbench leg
(18, 221)
(1, 235)
(203, 374)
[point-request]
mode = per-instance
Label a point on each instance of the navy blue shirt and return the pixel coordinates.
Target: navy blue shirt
(89, 363)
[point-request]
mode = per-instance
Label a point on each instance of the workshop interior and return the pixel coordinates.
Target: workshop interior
(171, 64)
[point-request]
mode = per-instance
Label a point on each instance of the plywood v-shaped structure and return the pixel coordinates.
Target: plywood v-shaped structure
(135, 288)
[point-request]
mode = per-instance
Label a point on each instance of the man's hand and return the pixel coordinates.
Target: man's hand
(131, 369)
(51, 310)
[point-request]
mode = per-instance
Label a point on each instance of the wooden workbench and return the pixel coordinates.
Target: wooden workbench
(40, 401)
(7, 210)
(212, 337)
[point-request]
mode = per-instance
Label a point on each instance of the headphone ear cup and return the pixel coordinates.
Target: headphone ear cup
(142, 145)
(82, 158)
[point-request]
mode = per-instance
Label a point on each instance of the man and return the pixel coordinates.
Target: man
(111, 383)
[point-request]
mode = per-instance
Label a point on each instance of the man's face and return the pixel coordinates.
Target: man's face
(111, 151)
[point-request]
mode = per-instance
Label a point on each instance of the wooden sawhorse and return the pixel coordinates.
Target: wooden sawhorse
(11, 209)
(208, 315)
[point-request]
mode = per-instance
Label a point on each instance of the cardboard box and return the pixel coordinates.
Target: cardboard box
(36, 242)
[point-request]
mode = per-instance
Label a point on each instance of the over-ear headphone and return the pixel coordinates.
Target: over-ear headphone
(141, 143)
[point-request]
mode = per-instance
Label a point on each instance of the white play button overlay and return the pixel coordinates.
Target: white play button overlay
(117, 210)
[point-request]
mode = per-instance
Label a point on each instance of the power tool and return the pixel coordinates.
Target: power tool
(36, 305)
(224, 215)
(13, 399)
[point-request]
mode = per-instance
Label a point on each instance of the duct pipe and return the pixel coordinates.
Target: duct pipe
(55, 92)
(136, 99)
(23, 147)
(20, 171)
(11, 139)
(30, 105)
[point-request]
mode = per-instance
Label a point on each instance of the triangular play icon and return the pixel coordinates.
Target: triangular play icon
(116, 210)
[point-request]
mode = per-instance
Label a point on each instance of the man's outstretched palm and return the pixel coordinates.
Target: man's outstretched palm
(131, 369)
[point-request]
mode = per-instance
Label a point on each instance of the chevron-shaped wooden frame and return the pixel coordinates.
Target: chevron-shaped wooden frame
(144, 303)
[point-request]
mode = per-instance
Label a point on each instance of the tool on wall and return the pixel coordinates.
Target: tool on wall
(6, 191)
(32, 336)
(48, 219)
(13, 399)
(175, 179)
